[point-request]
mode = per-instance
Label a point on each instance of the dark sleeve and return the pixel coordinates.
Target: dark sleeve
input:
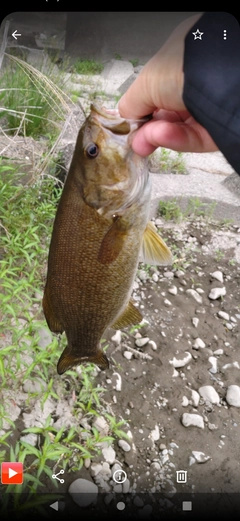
(212, 81)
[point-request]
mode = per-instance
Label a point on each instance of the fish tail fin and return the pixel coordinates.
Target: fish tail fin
(69, 359)
(154, 249)
(100, 359)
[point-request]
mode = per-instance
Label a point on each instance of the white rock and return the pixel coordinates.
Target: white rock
(213, 362)
(199, 344)
(45, 337)
(124, 445)
(192, 420)
(200, 457)
(209, 394)
(117, 337)
(233, 364)
(195, 398)
(155, 434)
(182, 362)
(118, 381)
(217, 275)
(195, 295)
(140, 342)
(155, 277)
(118, 488)
(95, 469)
(83, 492)
(173, 290)
(167, 302)
(142, 275)
(30, 438)
(153, 344)
(223, 315)
(128, 355)
(233, 395)
(126, 486)
(185, 401)
(87, 463)
(156, 467)
(34, 386)
(179, 273)
(115, 467)
(138, 502)
(168, 274)
(216, 293)
(191, 460)
(101, 425)
(108, 498)
(200, 290)
(218, 352)
(195, 321)
(109, 454)
(106, 471)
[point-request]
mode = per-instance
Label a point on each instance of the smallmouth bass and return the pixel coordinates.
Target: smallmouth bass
(101, 225)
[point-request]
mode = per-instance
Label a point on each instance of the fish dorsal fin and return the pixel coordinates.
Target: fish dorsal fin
(154, 250)
(129, 317)
(112, 243)
(69, 359)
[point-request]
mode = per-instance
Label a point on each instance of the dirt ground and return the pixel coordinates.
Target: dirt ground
(155, 394)
(163, 379)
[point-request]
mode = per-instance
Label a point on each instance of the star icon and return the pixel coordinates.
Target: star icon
(197, 35)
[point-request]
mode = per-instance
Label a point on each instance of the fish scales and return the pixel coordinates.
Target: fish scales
(97, 235)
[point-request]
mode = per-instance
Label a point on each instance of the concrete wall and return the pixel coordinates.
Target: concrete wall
(131, 35)
(98, 35)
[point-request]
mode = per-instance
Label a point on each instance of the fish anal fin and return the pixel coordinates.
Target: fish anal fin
(154, 250)
(129, 317)
(69, 359)
(111, 245)
(52, 322)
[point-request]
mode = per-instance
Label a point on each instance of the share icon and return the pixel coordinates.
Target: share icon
(55, 476)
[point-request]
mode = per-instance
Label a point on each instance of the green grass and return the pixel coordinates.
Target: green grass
(26, 218)
(87, 67)
(31, 103)
(164, 160)
(171, 210)
(134, 62)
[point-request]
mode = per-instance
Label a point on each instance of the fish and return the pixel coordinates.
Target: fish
(100, 229)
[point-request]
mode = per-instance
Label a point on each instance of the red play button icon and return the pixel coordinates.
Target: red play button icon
(11, 473)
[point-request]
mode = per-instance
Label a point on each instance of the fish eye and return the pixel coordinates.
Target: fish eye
(92, 150)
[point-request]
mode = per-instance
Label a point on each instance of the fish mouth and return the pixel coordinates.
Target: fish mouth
(110, 119)
(118, 133)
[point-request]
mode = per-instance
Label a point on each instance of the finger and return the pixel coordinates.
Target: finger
(177, 136)
(136, 102)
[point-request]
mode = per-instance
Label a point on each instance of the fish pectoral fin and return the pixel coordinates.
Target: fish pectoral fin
(52, 322)
(112, 244)
(69, 359)
(129, 317)
(154, 250)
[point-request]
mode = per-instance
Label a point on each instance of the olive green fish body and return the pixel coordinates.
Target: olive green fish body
(94, 251)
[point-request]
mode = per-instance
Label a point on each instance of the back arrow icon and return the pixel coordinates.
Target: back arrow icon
(15, 34)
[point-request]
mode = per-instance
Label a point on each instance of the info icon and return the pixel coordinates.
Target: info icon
(11, 473)
(181, 476)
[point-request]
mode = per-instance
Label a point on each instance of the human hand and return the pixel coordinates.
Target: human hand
(158, 90)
